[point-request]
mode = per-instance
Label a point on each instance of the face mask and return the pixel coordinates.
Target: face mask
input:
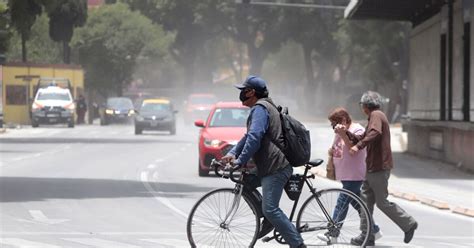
(242, 96)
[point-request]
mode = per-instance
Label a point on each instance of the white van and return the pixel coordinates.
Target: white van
(53, 105)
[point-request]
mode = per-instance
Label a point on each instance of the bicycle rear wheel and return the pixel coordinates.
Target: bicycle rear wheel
(207, 226)
(333, 217)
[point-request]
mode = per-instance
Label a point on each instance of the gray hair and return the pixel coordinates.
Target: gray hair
(372, 100)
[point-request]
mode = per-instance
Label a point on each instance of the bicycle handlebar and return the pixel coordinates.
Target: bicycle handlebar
(218, 164)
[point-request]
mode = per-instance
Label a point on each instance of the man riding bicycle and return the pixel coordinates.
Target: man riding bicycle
(264, 131)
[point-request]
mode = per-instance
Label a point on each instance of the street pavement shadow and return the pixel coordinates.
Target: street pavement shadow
(27, 189)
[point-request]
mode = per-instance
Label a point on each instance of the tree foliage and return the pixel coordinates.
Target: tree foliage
(4, 31)
(64, 16)
(23, 16)
(112, 41)
(193, 22)
(40, 47)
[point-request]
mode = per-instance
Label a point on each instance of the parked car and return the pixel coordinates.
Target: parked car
(224, 127)
(156, 114)
(52, 105)
(117, 110)
(198, 106)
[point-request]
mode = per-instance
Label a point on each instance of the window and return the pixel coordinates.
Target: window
(53, 96)
(16, 95)
(154, 108)
(230, 117)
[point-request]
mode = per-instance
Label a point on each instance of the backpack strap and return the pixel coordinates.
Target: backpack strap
(267, 105)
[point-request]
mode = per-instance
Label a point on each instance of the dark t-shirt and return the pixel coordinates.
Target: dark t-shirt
(377, 140)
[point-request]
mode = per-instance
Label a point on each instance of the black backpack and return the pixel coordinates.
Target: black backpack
(297, 148)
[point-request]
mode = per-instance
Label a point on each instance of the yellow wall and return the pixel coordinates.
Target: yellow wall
(20, 113)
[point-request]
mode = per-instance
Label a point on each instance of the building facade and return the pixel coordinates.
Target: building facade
(440, 122)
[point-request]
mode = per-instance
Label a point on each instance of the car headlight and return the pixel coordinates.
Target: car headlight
(131, 112)
(215, 143)
(168, 118)
(140, 118)
(109, 111)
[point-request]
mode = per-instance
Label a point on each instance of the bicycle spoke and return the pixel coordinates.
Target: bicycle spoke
(208, 226)
(344, 222)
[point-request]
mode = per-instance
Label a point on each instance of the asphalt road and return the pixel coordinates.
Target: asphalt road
(94, 186)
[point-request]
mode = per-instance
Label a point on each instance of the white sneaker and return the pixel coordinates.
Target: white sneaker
(326, 239)
(378, 235)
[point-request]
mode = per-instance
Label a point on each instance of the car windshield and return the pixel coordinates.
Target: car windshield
(154, 108)
(229, 117)
(62, 96)
(203, 100)
(123, 103)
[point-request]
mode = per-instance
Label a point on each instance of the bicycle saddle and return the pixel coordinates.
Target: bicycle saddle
(315, 162)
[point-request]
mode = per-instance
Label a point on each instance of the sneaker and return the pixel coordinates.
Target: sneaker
(409, 234)
(360, 239)
(378, 235)
(327, 238)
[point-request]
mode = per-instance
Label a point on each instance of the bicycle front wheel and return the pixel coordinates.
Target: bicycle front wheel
(333, 217)
(213, 222)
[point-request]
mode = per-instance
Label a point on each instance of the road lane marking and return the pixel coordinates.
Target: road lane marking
(23, 243)
(156, 195)
(60, 148)
(39, 216)
(100, 243)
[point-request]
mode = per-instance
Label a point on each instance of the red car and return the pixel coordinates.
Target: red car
(224, 127)
(197, 106)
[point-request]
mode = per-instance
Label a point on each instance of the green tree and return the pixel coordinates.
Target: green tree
(40, 47)
(262, 29)
(4, 31)
(23, 16)
(64, 16)
(193, 22)
(380, 58)
(112, 41)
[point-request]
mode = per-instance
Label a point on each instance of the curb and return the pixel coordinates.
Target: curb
(414, 198)
(463, 211)
(434, 203)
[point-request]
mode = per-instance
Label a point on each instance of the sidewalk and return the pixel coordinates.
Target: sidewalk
(427, 181)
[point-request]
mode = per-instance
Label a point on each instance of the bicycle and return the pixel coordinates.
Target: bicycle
(221, 218)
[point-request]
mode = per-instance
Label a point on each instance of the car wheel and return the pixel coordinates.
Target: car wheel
(138, 130)
(202, 173)
(34, 124)
(70, 124)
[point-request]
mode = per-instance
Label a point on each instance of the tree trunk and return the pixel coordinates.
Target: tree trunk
(308, 64)
(310, 80)
(66, 53)
(256, 60)
(23, 48)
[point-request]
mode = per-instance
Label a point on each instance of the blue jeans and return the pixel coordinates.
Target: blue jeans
(272, 189)
(342, 206)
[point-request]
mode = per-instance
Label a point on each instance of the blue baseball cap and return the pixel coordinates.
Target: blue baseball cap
(252, 82)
